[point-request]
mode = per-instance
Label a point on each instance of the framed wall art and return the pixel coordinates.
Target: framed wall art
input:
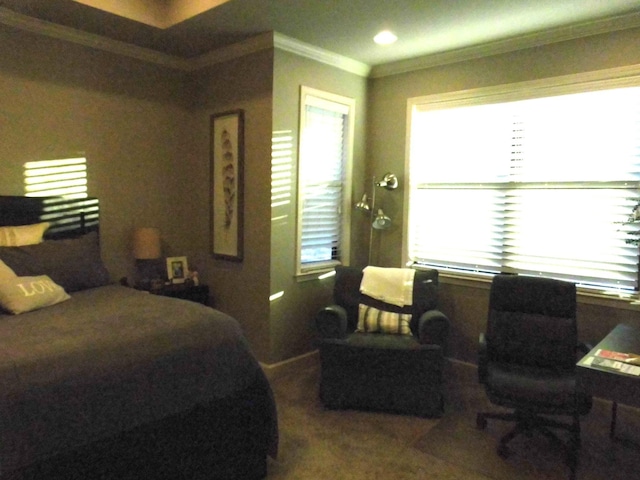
(227, 185)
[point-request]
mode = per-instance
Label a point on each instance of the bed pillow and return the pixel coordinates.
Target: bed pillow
(74, 264)
(22, 234)
(373, 320)
(6, 273)
(23, 294)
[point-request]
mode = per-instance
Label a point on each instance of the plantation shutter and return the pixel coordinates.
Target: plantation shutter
(321, 181)
(541, 187)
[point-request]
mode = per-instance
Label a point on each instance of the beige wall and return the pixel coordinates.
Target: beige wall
(241, 289)
(127, 117)
(145, 132)
(467, 304)
(292, 315)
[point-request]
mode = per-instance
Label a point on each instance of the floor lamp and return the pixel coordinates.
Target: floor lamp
(378, 220)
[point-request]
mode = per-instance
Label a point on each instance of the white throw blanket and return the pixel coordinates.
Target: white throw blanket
(390, 285)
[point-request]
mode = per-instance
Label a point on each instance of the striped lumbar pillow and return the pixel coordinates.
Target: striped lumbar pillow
(372, 320)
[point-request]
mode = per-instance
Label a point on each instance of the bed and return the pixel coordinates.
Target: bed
(113, 382)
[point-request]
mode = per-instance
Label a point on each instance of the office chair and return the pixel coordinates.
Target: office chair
(527, 359)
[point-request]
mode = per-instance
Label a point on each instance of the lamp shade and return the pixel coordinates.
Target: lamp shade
(146, 243)
(381, 222)
(363, 204)
(389, 181)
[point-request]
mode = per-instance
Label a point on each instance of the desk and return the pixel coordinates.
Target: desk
(608, 383)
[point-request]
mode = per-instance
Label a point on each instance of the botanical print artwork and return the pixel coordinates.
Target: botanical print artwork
(227, 157)
(229, 177)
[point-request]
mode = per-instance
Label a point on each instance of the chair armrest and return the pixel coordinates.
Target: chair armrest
(331, 322)
(433, 328)
(582, 349)
(482, 358)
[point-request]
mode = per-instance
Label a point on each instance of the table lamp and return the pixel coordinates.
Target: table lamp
(147, 252)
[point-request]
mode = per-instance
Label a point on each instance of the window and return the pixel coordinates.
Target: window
(538, 186)
(65, 177)
(324, 180)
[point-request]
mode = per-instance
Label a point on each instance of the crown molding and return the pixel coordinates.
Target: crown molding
(251, 45)
(59, 32)
(318, 54)
(274, 39)
(521, 42)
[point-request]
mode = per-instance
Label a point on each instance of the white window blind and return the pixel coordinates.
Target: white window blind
(324, 161)
(66, 177)
(539, 186)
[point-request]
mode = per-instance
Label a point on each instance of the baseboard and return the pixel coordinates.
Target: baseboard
(456, 368)
(277, 370)
(461, 370)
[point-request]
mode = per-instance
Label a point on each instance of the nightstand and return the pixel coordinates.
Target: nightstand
(194, 293)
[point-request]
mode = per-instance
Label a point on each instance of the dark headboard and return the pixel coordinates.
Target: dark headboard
(69, 217)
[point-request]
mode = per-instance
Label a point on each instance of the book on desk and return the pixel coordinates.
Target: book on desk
(628, 363)
(632, 358)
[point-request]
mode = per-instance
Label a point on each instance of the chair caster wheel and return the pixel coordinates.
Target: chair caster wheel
(503, 451)
(481, 422)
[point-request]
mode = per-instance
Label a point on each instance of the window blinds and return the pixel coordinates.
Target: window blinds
(540, 186)
(63, 177)
(321, 181)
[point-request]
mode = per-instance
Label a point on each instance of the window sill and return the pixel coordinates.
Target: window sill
(319, 274)
(587, 297)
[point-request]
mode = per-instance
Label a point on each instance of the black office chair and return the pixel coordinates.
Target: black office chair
(527, 359)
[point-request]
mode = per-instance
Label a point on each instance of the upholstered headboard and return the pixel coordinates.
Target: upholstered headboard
(69, 217)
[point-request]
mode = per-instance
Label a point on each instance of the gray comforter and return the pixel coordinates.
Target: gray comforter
(110, 359)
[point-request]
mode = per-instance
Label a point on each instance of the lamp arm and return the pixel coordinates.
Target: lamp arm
(371, 214)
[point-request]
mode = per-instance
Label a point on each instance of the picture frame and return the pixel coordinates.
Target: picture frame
(227, 185)
(177, 269)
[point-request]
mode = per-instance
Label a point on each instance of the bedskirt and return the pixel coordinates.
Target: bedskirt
(226, 439)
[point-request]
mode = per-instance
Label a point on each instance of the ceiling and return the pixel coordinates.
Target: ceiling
(189, 28)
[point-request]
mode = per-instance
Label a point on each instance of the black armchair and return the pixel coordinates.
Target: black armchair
(527, 359)
(378, 371)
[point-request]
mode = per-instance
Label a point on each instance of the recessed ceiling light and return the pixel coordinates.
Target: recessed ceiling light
(385, 38)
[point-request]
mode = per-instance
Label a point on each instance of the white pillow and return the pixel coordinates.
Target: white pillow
(21, 235)
(6, 273)
(372, 320)
(23, 294)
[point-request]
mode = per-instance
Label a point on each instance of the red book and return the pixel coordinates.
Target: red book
(619, 356)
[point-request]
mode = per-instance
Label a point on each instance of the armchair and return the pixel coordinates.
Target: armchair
(401, 373)
(527, 359)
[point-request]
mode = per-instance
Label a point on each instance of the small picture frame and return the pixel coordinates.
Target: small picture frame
(177, 269)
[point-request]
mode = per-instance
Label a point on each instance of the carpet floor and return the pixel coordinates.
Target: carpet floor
(321, 444)
(318, 444)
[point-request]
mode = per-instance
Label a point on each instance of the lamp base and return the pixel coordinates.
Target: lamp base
(150, 273)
